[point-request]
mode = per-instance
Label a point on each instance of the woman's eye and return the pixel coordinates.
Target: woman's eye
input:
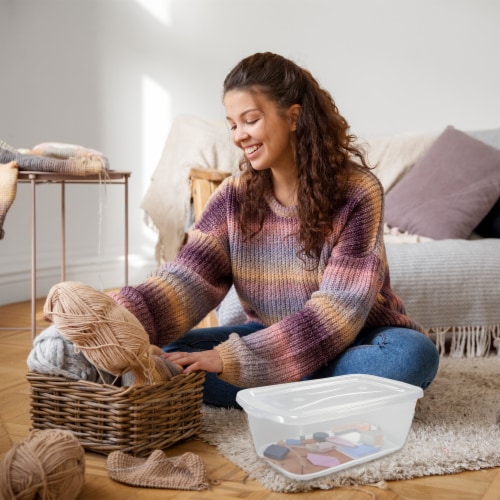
(232, 127)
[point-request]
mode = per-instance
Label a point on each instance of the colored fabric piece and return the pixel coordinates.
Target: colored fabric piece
(323, 460)
(311, 316)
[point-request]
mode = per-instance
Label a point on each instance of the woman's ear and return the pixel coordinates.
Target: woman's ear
(293, 116)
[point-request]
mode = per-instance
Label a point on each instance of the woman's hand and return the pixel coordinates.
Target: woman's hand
(209, 361)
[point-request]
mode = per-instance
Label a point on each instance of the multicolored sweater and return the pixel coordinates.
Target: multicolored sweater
(311, 316)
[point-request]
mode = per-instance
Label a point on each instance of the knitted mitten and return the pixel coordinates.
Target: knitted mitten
(185, 472)
(8, 189)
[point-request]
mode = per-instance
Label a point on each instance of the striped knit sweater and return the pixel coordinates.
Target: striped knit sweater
(311, 316)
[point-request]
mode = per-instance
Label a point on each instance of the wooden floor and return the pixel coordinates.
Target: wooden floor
(227, 480)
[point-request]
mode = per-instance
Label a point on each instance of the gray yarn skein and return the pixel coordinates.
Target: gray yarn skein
(53, 354)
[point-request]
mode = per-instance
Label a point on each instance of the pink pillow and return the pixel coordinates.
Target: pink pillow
(449, 190)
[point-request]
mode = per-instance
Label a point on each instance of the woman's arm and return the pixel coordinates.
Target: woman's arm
(181, 292)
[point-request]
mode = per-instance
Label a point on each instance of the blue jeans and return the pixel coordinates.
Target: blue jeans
(392, 352)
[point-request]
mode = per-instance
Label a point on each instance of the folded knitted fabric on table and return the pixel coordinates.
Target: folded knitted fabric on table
(185, 472)
(80, 164)
(56, 157)
(65, 151)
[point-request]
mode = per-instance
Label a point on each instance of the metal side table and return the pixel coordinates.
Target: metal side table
(34, 178)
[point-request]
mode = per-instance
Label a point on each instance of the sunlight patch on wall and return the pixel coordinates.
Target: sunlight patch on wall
(156, 120)
(159, 9)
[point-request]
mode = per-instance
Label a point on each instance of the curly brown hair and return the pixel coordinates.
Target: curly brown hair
(325, 152)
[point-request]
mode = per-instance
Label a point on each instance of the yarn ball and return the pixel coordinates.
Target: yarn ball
(53, 354)
(109, 335)
(49, 464)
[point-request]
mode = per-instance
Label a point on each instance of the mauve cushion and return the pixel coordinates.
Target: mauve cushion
(449, 190)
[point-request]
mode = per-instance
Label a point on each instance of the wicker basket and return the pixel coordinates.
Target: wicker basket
(104, 418)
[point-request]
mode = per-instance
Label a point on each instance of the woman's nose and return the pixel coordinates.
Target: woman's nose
(239, 135)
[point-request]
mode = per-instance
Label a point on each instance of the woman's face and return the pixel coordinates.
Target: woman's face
(263, 131)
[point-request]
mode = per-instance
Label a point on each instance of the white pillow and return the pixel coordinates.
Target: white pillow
(191, 142)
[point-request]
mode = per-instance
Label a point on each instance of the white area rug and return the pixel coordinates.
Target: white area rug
(456, 427)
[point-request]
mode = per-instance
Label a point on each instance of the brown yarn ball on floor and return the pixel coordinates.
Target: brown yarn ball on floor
(48, 465)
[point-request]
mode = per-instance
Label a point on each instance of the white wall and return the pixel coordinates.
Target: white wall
(112, 75)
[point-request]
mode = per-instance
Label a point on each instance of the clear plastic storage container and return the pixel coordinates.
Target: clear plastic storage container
(312, 428)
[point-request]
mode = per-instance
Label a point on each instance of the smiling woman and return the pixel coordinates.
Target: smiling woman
(266, 136)
(298, 232)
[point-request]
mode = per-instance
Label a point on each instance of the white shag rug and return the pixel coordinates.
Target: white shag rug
(456, 428)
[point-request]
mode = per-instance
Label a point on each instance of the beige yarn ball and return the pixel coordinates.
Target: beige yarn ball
(48, 465)
(109, 335)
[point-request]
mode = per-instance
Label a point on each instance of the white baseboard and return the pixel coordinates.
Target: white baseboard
(101, 273)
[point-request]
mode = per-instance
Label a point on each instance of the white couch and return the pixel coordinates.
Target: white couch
(450, 286)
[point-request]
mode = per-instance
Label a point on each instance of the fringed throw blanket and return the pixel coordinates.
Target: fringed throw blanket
(465, 316)
(47, 157)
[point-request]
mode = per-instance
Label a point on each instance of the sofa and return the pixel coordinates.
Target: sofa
(442, 222)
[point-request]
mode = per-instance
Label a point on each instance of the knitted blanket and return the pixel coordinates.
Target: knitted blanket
(450, 288)
(79, 164)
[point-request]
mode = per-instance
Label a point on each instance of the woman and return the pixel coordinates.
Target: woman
(299, 232)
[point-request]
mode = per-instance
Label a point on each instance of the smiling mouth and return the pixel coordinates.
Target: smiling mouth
(252, 149)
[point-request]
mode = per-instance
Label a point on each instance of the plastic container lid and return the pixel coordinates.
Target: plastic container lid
(333, 397)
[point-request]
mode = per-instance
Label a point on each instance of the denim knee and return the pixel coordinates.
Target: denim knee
(396, 353)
